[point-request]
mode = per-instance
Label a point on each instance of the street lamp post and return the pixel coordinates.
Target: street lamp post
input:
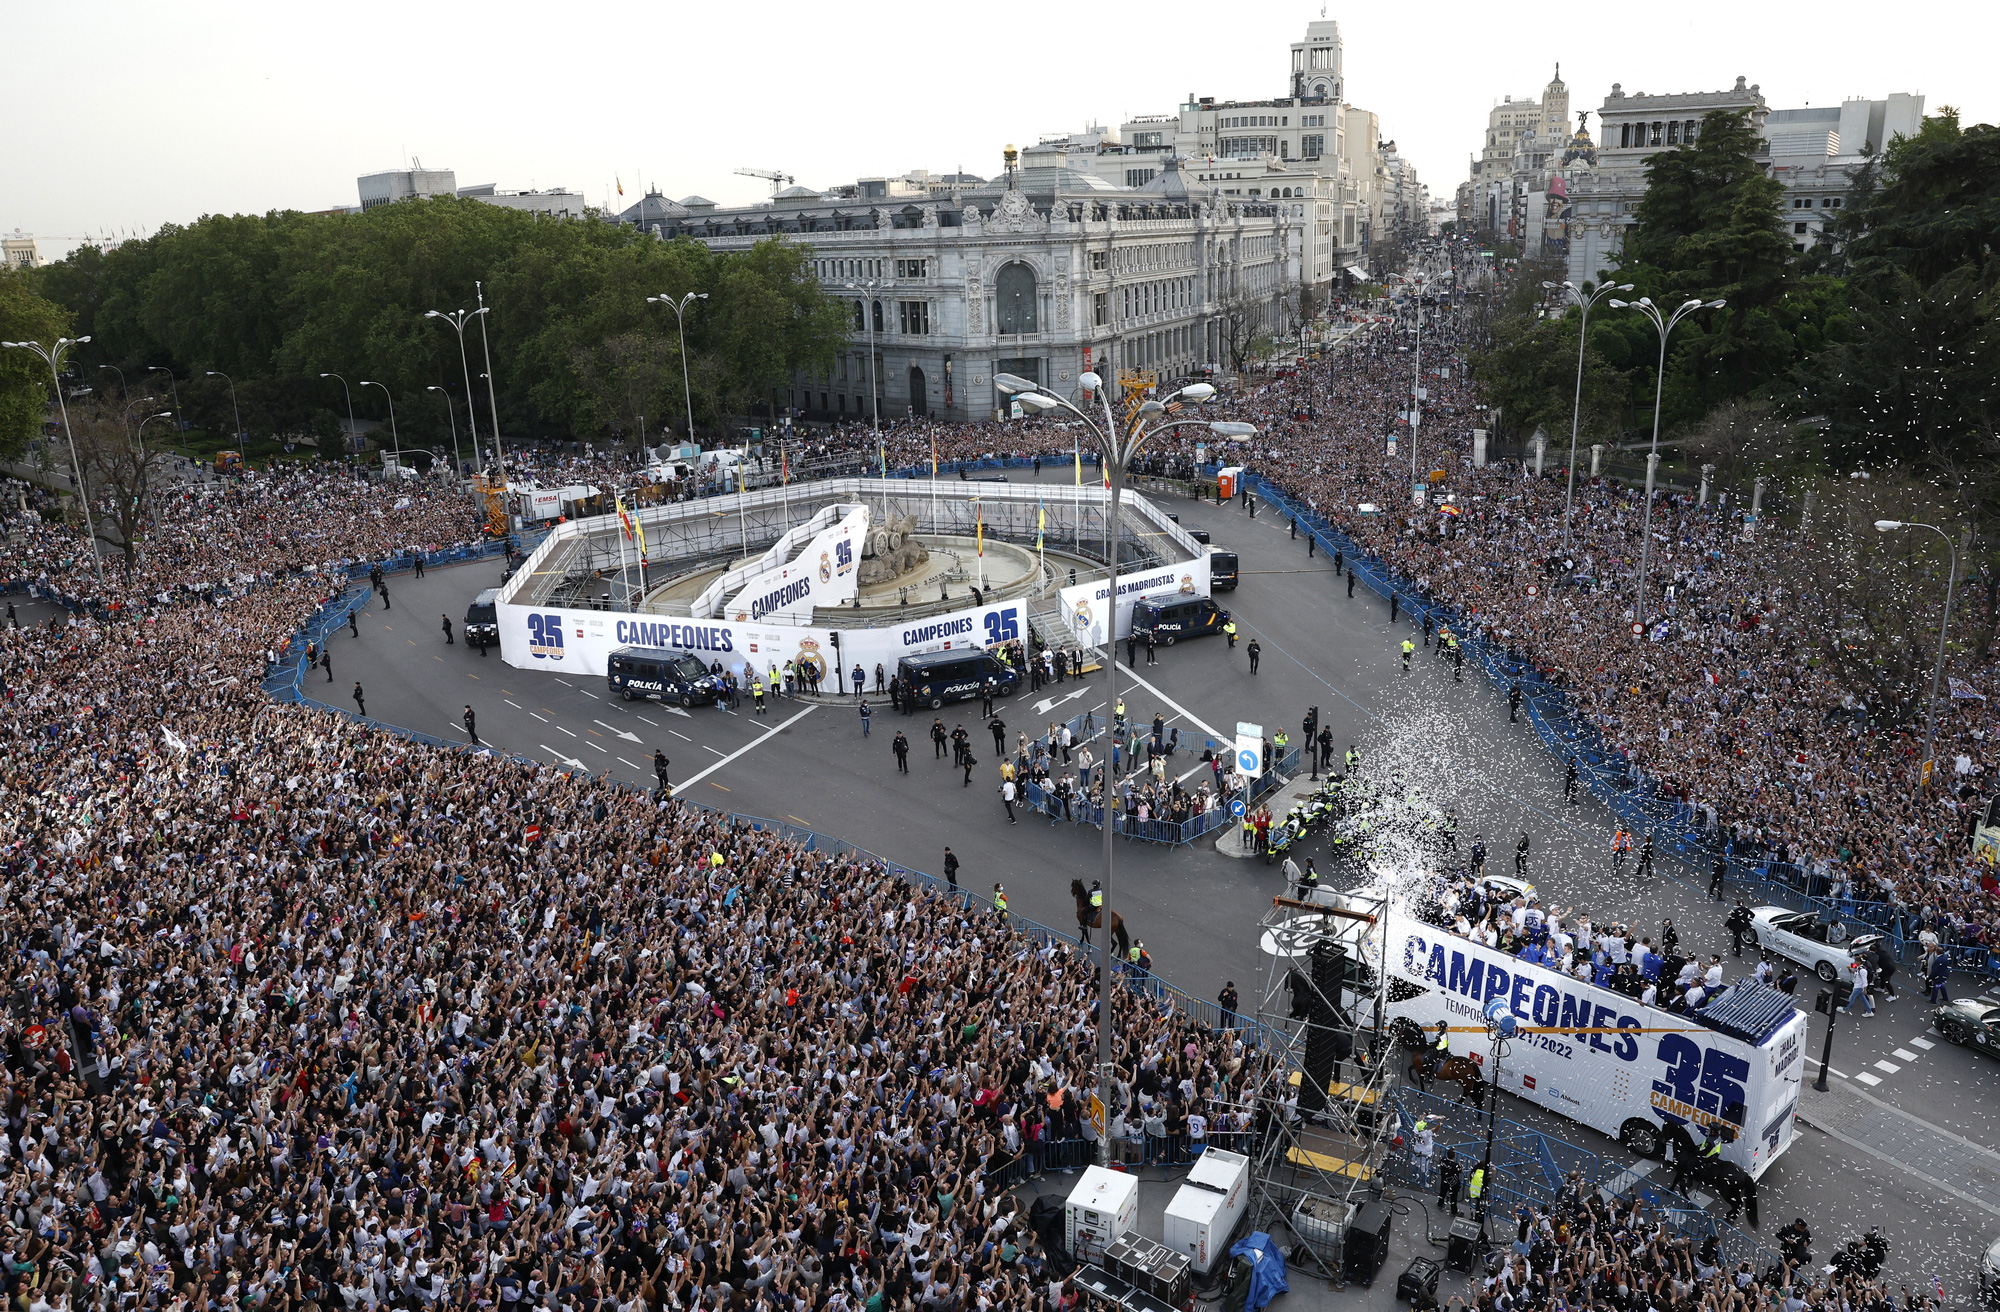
(124, 392)
(458, 319)
(679, 307)
(451, 417)
(53, 357)
(351, 430)
(140, 473)
(1117, 451)
(1583, 300)
(1665, 323)
(394, 440)
(233, 407)
(181, 422)
(867, 289)
(486, 351)
(1944, 628)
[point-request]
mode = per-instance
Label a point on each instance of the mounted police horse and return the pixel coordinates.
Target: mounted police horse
(1426, 1065)
(1089, 917)
(1726, 1180)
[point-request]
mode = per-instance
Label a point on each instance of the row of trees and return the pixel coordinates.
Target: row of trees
(1882, 337)
(278, 299)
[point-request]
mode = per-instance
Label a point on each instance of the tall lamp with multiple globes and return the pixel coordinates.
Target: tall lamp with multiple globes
(1117, 445)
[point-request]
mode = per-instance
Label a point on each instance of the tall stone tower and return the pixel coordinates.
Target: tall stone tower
(1555, 109)
(1316, 63)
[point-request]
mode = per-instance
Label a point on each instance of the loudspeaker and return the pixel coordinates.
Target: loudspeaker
(1367, 1244)
(1325, 1045)
(1462, 1248)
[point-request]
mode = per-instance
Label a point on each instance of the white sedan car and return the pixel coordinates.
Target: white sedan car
(1803, 937)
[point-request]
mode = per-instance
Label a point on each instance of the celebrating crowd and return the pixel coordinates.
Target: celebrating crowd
(303, 1014)
(306, 1015)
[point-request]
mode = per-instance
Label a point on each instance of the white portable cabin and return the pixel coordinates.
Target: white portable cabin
(1203, 1214)
(1103, 1206)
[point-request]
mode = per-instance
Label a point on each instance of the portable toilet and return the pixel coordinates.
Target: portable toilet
(1226, 481)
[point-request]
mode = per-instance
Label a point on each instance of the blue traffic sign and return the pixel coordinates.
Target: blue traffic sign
(1247, 760)
(1236, 808)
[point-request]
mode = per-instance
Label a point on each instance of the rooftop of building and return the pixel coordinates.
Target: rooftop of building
(1741, 93)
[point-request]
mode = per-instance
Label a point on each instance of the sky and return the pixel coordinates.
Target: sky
(122, 117)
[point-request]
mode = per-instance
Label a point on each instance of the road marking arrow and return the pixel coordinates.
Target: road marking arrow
(1044, 706)
(564, 760)
(628, 737)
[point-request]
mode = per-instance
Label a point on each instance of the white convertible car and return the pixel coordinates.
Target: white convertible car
(1803, 937)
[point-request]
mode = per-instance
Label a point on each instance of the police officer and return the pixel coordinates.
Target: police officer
(1229, 632)
(998, 728)
(1409, 649)
(1255, 653)
(960, 744)
(901, 747)
(1478, 855)
(1646, 857)
(1476, 1192)
(1282, 742)
(1353, 759)
(1514, 703)
(1739, 926)
(1449, 1172)
(660, 770)
(1096, 897)
(1000, 902)
(1423, 1144)
(1569, 781)
(1521, 856)
(757, 692)
(1716, 874)
(951, 868)
(447, 631)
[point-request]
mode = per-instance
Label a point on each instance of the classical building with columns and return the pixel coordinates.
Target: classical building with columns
(1044, 272)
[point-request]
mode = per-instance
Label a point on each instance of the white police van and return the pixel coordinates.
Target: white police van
(951, 676)
(659, 675)
(1597, 1056)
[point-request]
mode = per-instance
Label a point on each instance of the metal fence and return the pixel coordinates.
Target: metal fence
(1679, 829)
(1532, 1169)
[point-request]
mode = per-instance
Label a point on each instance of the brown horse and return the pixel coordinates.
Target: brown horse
(1425, 1066)
(1089, 918)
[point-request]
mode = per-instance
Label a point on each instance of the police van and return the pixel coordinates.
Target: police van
(482, 620)
(952, 676)
(1222, 569)
(1173, 618)
(658, 675)
(1597, 1056)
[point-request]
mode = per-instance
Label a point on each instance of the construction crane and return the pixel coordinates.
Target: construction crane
(776, 180)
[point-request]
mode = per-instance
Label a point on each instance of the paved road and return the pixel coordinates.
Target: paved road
(807, 764)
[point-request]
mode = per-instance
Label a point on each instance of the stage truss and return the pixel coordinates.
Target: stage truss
(1325, 1111)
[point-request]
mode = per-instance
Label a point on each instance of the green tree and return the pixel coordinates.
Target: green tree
(24, 376)
(1915, 373)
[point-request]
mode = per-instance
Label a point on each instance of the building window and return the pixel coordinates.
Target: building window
(860, 317)
(1625, 134)
(1139, 177)
(878, 316)
(1014, 296)
(1674, 133)
(1146, 139)
(1313, 147)
(1100, 309)
(913, 268)
(914, 317)
(1100, 261)
(1798, 228)
(1830, 203)
(1688, 129)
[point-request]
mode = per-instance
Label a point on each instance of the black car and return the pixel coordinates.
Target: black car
(1170, 620)
(482, 620)
(952, 676)
(658, 675)
(1970, 1023)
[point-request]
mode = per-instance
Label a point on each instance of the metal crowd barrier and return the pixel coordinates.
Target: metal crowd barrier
(1635, 800)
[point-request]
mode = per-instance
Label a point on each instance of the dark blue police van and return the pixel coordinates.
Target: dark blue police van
(658, 675)
(951, 676)
(1170, 619)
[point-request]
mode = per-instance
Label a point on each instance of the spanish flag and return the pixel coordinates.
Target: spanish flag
(934, 457)
(621, 183)
(979, 513)
(1079, 462)
(624, 518)
(784, 466)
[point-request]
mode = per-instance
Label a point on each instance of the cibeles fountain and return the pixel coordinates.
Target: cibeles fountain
(890, 566)
(842, 571)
